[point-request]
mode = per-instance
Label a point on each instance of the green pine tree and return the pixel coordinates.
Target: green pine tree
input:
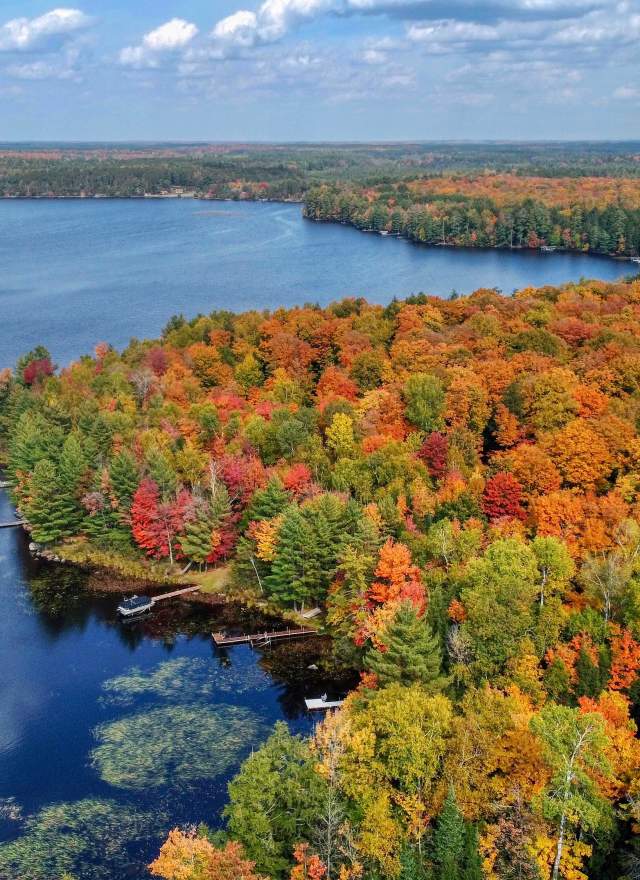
(449, 841)
(106, 529)
(412, 653)
(210, 514)
(162, 471)
(71, 473)
(588, 684)
(33, 439)
(101, 434)
(472, 862)
(275, 801)
(46, 509)
(411, 865)
(123, 475)
(195, 543)
(72, 465)
(268, 502)
(293, 569)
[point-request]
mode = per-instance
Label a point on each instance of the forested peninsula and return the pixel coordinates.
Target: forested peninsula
(456, 484)
(586, 214)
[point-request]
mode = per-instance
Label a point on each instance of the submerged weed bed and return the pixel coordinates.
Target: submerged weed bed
(174, 745)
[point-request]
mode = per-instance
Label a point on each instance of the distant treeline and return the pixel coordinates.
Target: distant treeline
(462, 213)
(136, 177)
(285, 171)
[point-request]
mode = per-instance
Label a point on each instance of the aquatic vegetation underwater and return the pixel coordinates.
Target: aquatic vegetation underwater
(174, 745)
(168, 740)
(190, 739)
(90, 839)
(183, 679)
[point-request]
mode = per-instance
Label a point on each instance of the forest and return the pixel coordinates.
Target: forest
(278, 171)
(594, 214)
(456, 484)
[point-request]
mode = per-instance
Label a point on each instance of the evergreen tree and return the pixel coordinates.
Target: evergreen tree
(472, 862)
(72, 466)
(195, 543)
(101, 434)
(33, 439)
(449, 839)
(275, 801)
(412, 653)
(123, 475)
(103, 524)
(292, 572)
(588, 684)
(268, 502)
(220, 504)
(71, 473)
(51, 512)
(411, 865)
(163, 474)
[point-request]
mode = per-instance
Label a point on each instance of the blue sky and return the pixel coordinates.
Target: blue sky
(319, 69)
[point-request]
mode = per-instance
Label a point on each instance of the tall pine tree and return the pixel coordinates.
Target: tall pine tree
(50, 512)
(449, 841)
(411, 653)
(293, 571)
(123, 475)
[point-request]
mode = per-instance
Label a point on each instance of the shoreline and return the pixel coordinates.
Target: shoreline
(103, 197)
(196, 197)
(108, 577)
(538, 251)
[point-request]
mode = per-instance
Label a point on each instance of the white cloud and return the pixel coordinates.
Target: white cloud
(568, 22)
(24, 34)
(238, 28)
(593, 32)
(273, 19)
(170, 37)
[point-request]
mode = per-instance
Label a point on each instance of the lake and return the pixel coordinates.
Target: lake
(112, 733)
(76, 272)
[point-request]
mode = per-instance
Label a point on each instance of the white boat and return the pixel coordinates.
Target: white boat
(134, 606)
(322, 703)
(635, 259)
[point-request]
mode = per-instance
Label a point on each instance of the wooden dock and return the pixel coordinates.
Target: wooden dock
(173, 594)
(321, 704)
(222, 640)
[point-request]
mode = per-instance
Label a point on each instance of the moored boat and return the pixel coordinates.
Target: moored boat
(135, 605)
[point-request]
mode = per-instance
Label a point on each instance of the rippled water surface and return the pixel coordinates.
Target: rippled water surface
(112, 733)
(76, 272)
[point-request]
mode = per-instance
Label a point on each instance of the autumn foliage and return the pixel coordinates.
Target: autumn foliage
(455, 485)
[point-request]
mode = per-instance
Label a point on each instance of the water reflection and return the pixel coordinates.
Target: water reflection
(99, 719)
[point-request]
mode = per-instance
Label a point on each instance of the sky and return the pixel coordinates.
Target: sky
(283, 70)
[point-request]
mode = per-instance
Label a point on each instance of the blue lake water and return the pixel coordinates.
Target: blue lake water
(112, 733)
(76, 272)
